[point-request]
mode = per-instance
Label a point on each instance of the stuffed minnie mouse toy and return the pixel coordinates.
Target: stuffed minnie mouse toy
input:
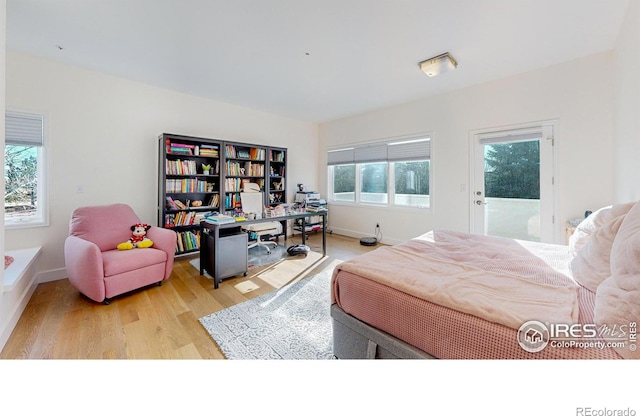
(138, 239)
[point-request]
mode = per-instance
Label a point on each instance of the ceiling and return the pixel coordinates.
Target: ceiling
(312, 60)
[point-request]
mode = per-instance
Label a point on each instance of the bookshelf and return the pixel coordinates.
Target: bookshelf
(276, 179)
(242, 163)
(186, 193)
(189, 186)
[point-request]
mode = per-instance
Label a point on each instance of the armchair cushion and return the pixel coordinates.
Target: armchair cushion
(122, 261)
(106, 226)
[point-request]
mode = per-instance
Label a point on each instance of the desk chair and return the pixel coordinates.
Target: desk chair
(253, 202)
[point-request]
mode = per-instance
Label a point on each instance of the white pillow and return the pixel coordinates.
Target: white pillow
(597, 219)
(618, 297)
(591, 265)
(625, 252)
(618, 306)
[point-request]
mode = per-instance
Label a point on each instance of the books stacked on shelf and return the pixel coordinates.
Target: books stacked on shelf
(187, 241)
(185, 185)
(253, 153)
(183, 218)
(253, 169)
(179, 148)
(237, 184)
(276, 156)
(233, 184)
(256, 153)
(246, 169)
(230, 151)
(214, 201)
(232, 201)
(174, 204)
(181, 167)
(209, 150)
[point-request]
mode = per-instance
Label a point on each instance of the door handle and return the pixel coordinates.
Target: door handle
(481, 203)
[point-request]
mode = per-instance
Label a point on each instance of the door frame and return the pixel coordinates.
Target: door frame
(550, 129)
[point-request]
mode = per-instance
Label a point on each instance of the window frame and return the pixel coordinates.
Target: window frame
(41, 218)
(390, 174)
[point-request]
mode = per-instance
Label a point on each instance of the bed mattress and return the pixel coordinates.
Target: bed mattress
(445, 332)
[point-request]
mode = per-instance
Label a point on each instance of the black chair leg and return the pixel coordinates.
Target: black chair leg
(106, 301)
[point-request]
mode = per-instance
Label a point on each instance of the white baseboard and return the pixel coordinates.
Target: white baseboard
(51, 275)
(358, 235)
(13, 316)
(17, 295)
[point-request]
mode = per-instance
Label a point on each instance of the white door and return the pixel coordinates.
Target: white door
(512, 180)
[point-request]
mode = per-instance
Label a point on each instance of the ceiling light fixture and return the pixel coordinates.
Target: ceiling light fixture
(438, 64)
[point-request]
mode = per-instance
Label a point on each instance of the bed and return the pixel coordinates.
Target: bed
(453, 295)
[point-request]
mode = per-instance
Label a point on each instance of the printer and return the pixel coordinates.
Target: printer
(307, 197)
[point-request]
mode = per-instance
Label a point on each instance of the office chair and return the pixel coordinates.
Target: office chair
(253, 202)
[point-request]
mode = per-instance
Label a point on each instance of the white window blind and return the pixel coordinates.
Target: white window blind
(418, 149)
(407, 150)
(340, 157)
(524, 136)
(22, 129)
(371, 153)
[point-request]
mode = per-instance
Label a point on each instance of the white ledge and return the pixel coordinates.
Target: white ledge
(22, 260)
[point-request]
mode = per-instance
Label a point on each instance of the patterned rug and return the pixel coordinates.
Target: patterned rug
(291, 323)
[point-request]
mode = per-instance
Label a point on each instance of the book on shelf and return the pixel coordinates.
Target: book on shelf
(187, 241)
(276, 155)
(181, 167)
(179, 204)
(185, 185)
(179, 148)
(209, 150)
(214, 201)
(171, 204)
(256, 153)
(230, 151)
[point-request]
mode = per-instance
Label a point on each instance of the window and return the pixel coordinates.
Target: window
(412, 183)
(344, 183)
(373, 182)
(393, 173)
(24, 196)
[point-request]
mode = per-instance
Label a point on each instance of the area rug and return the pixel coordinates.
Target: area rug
(291, 323)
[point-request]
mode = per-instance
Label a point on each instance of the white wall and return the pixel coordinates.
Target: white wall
(103, 135)
(3, 41)
(627, 107)
(578, 94)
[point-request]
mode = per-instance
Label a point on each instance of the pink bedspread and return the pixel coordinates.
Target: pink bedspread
(500, 280)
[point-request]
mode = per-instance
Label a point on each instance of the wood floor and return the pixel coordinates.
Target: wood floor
(153, 323)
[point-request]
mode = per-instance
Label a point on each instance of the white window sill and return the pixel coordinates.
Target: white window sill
(17, 225)
(22, 260)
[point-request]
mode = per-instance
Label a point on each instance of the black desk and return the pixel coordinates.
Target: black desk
(212, 234)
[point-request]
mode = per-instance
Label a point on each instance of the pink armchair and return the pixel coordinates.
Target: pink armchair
(97, 269)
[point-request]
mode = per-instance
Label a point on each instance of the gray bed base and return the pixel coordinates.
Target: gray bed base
(353, 339)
